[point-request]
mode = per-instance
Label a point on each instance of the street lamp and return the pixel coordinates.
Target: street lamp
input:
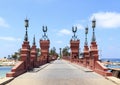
(93, 26)
(86, 32)
(26, 26)
(60, 52)
(34, 40)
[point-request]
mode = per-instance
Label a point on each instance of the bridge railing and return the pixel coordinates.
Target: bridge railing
(101, 69)
(17, 70)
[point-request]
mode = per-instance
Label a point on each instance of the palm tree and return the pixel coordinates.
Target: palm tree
(15, 56)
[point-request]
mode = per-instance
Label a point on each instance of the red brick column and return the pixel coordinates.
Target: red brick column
(44, 45)
(74, 46)
(93, 54)
(86, 56)
(33, 56)
(25, 54)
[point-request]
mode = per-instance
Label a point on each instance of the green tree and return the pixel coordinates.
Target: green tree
(4, 57)
(53, 51)
(14, 56)
(65, 51)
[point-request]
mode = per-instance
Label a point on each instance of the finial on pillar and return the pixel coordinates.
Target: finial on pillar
(93, 26)
(26, 26)
(74, 30)
(34, 40)
(45, 37)
(86, 32)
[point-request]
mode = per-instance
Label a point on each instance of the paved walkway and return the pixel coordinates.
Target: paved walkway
(61, 73)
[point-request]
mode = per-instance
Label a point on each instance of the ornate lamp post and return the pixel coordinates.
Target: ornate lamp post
(86, 32)
(60, 52)
(93, 26)
(34, 40)
(26, 26)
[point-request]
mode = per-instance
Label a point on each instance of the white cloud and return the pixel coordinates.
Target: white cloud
(79, 26)
(107, 19)
(3, 23)
(65, 32)
(10, 39)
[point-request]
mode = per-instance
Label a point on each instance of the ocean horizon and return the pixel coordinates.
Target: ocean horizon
(111, 59)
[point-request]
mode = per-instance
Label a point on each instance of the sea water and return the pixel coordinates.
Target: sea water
(115, 60)
(111, 59)
(4, 70)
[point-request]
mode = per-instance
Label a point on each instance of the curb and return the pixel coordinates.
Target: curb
(114, 80)
(6, 80)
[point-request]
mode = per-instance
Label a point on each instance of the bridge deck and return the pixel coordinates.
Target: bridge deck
(61, 73)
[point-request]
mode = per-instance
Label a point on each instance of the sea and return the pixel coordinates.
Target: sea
(111, 59)
(115, 60)
(4, 70)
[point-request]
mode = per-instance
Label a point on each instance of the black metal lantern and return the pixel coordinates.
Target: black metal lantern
(93, 23)
(86, 32)
(93, 26)
(26, 23)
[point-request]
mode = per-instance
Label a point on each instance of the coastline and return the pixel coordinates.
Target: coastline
(8, 63)
(6, 66)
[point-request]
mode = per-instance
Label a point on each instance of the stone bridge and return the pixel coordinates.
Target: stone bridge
(60, 71)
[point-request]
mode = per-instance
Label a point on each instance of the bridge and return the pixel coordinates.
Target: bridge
(61, 72)
(70, 70)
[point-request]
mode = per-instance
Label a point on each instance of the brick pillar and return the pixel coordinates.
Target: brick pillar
(33, 55)
(25, 54)
(44, 45)
(93, 54)
(86, 55)
(74, 46)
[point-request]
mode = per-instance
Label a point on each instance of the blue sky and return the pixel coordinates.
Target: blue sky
(60, 16)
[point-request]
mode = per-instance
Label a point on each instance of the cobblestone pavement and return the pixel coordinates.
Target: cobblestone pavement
(61, 73)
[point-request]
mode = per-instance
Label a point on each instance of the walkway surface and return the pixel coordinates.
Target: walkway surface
(61, 72)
